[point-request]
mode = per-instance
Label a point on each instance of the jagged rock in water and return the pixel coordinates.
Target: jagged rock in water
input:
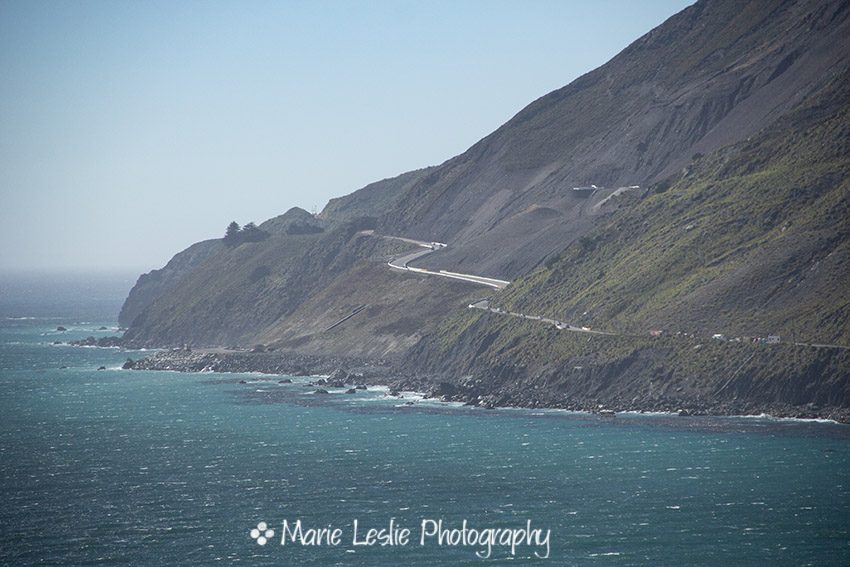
(338, 378)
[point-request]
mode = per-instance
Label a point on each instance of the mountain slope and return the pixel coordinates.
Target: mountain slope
(709, 76)
(156, 283)
(244, 288)
(752, 240)
(374, 199)
(733, 120)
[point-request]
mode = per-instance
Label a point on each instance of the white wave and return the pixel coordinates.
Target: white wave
(768, 417)
(649, 413)
(413, 396)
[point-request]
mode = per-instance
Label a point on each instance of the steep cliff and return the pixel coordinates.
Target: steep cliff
(154, 284)
(749, 241)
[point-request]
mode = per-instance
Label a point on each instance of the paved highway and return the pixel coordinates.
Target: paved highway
(816, 345)
(484, 305)
(402, 263)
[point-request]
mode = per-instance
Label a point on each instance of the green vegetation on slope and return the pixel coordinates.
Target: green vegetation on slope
(752, 240)
(240, 290)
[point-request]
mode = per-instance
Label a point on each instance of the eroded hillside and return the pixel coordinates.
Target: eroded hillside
(732, 121)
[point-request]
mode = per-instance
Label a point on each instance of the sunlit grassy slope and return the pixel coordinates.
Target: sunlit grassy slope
(750, 240)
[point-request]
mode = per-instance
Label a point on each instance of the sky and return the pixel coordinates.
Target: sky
(130, 130)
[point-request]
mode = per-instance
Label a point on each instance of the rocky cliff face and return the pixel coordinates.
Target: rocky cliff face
(155, 283)
(693, 377)
(750, 241)
(244, 288)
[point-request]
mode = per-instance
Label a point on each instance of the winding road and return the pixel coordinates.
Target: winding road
(402, 263)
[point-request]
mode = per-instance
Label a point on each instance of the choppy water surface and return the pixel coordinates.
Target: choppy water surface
(157, 468)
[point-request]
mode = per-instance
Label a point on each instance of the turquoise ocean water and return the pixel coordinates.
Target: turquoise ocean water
(117, 467)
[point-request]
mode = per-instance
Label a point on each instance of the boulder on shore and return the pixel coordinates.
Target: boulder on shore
(101, 342)
(338, 378)
(445, 390)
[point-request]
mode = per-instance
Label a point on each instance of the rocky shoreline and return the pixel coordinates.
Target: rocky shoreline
(470, 390)
(102, 342)
(372, 371)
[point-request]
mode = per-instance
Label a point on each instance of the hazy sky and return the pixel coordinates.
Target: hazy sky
(129, 130)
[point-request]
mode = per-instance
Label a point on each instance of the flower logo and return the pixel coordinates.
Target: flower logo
(262, 533)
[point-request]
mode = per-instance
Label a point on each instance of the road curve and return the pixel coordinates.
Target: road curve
(401, 263)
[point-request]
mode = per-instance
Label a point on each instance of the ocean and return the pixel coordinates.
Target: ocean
(118, 467)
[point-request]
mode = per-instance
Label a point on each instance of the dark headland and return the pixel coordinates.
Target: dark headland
(674, 227)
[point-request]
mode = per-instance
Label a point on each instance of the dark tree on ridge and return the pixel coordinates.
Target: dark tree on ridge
(252, 233)
(232, 233)
(248, 233)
